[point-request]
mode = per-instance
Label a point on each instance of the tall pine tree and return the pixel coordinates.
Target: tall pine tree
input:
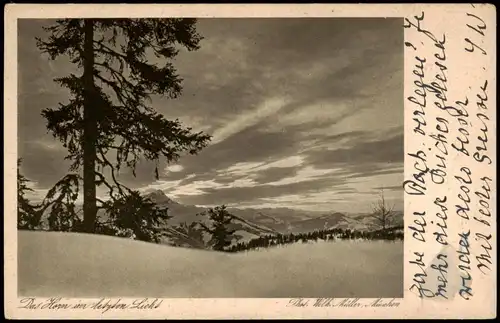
(109, 110)
(219, 227)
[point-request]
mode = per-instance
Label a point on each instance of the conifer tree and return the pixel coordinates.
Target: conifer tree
(60, 202)
(219, 227)
(109, 111)
(28, 216)
(145, 223)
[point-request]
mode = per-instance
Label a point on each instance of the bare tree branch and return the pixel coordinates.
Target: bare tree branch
(382, 213)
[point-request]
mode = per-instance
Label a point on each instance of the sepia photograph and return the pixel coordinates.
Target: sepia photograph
(210, 157)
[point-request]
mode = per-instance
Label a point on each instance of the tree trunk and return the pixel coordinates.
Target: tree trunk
(89, 131)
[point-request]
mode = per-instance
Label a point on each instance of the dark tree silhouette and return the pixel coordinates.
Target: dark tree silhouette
(219, 227)
(58, 204)
(108, 112)
(28, 215)
(144, 221)
(60, 201)
(382, 213)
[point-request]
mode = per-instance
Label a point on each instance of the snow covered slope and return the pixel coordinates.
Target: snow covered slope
(81, 265)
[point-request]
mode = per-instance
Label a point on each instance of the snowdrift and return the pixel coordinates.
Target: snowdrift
(58, 264)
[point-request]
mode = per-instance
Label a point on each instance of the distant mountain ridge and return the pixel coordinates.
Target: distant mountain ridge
(269, 220)
(159, 197)
(252, 223)
(245, 228)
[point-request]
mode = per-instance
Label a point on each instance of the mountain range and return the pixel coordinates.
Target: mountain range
(252, 223)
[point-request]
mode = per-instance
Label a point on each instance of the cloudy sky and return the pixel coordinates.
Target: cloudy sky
(304, 113)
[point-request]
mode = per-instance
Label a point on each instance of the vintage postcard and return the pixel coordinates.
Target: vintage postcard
(250, 161)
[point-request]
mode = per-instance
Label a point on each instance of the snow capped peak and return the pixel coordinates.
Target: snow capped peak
(160, 197)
